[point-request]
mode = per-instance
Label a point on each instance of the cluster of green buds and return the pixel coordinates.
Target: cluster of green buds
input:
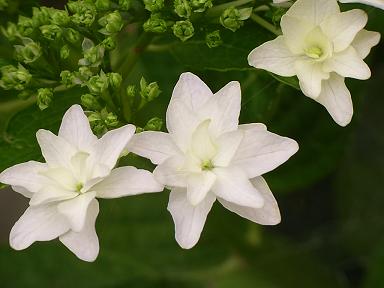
(83, 12)
(29, 52)
(111, 23)
(183, 30)
(93, 54)
(103, 121)
(233, 18)
(213, 39)
(154, 5)
(44, 97)
(184, 8)
(155, 24)
(16, 78)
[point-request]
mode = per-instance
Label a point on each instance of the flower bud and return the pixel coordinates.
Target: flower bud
(201, 5)
(60, 17)
(124, 4)
(98, 84)
(115, 80)
(67, 78)
(213, 39)
(182, 8)
(183, 30)
(131, 94)
(10, 32)
(84, 73)
(109, 43)
(93, 55)
(155, 24)
(51, 32)
(90, 102)
(64, 52)
(71, 35)
(3, 4)
(40, 16)
(149, 92)
(28, 53)
(232, 18)
(154, 124)
(85, 13)
(111, 120)
(44, 97)
(14, 78)
(102, 4)
(25, 26)
(111, 22)
(154, 5)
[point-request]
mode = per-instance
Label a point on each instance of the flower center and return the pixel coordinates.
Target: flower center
(207, 165)
(79, 186)
(314, 52)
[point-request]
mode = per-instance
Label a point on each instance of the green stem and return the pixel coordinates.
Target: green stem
(265, 24)
(217, 10)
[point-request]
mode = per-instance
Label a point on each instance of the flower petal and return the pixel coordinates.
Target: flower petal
(56, 150)
(51, 193)
(295, 31)
(189, 220)
(310, 74)
(313, 11)
(76, 130)
(364, 41)
(262, 151)
(336, 98)
(258, 126)
(342, 28)
(274, 56)
(375, 3)
(75, 210)
(227, 144)
(170, 172)
(85, 243)
(25, 175)
(192, 91)
(269, 214)
(125, 181)
(348, 64)
(41, 223)
(198, 186)
(156, 146)
(233, 186)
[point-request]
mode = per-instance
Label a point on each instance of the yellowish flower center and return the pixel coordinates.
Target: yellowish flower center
(79, 186)
(314, 52)
(207, 165)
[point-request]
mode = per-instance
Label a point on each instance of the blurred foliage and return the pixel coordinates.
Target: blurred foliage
(330, 192)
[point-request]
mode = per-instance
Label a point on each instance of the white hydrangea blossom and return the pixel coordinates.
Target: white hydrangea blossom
(63, 191)
(207, 155)
(322, 46)
(375, 3)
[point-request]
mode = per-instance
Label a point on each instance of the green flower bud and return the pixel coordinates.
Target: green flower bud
(93, 55)
(232, 18)
(14, 78)
(182, 8)
(183, 30)
(10, 32)
(71, 35)
(111, 120)
(102, 4)
(85, 13)
(131, 94)
(154, 5)
(64, 52)
(109, 43)
(28, 53)
(213, 39)
(40, 16)
(154, 124)
(97, 124)
(98, 84)
(201, 5)
(44, 97)
(90, 102)
(84, 73)
(124, 4)
(115, 80)
(25, 26)
(3, 4)
(149, 92)
(155, 24)
(67, 78)
(51, 32)
(111, 22)
(60, 17)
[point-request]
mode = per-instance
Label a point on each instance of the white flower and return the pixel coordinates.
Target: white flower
(78, 168)
(207, 155)
(321, 45)
(375, 3)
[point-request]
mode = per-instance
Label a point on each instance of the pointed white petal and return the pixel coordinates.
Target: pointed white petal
(22, 191)
(62, 177)
(342, 28)
(76, 130)
(108, 148)
(233, 186)
(75, 210)
(171, 173)
(364, 41)
(269, 214)
(202, 145)
(262, 151)
(189, 220)
(295, 31)
(198, 186)
(192, 91)
(227, 144)
(223, 109)
(310, 74)
(156, 146)
(274, 56)
(126, 181)
(51, 193)
(314, 11)
(42, 223)
(25, 175)
(85, 243)
(258, 126)
(56, 150)
(375, 3)
(336, 98)
(348, 64)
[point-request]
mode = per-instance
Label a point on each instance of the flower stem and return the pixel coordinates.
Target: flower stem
(217, 10)
(265, 24)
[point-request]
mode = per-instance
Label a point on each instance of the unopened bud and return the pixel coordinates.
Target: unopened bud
(232, 18)
(154, 5)
(25, 26)
(28, 53)
(85, 13)
(154, 124)
(213, 39)
(111, 22)
(182, 8)
(67, 78)
(40, 16)
(155, 24)
(14, 78)
(149, 92)
(10, 32)
(64, 52)
(124, 4)
(98, 84)
(109, 43)
(90, 102)
(115, 80)
(201, 5)
(102, 4)
(51, 32)
(60, 17)
(44, 97)
(71, 35)
(183, 30)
